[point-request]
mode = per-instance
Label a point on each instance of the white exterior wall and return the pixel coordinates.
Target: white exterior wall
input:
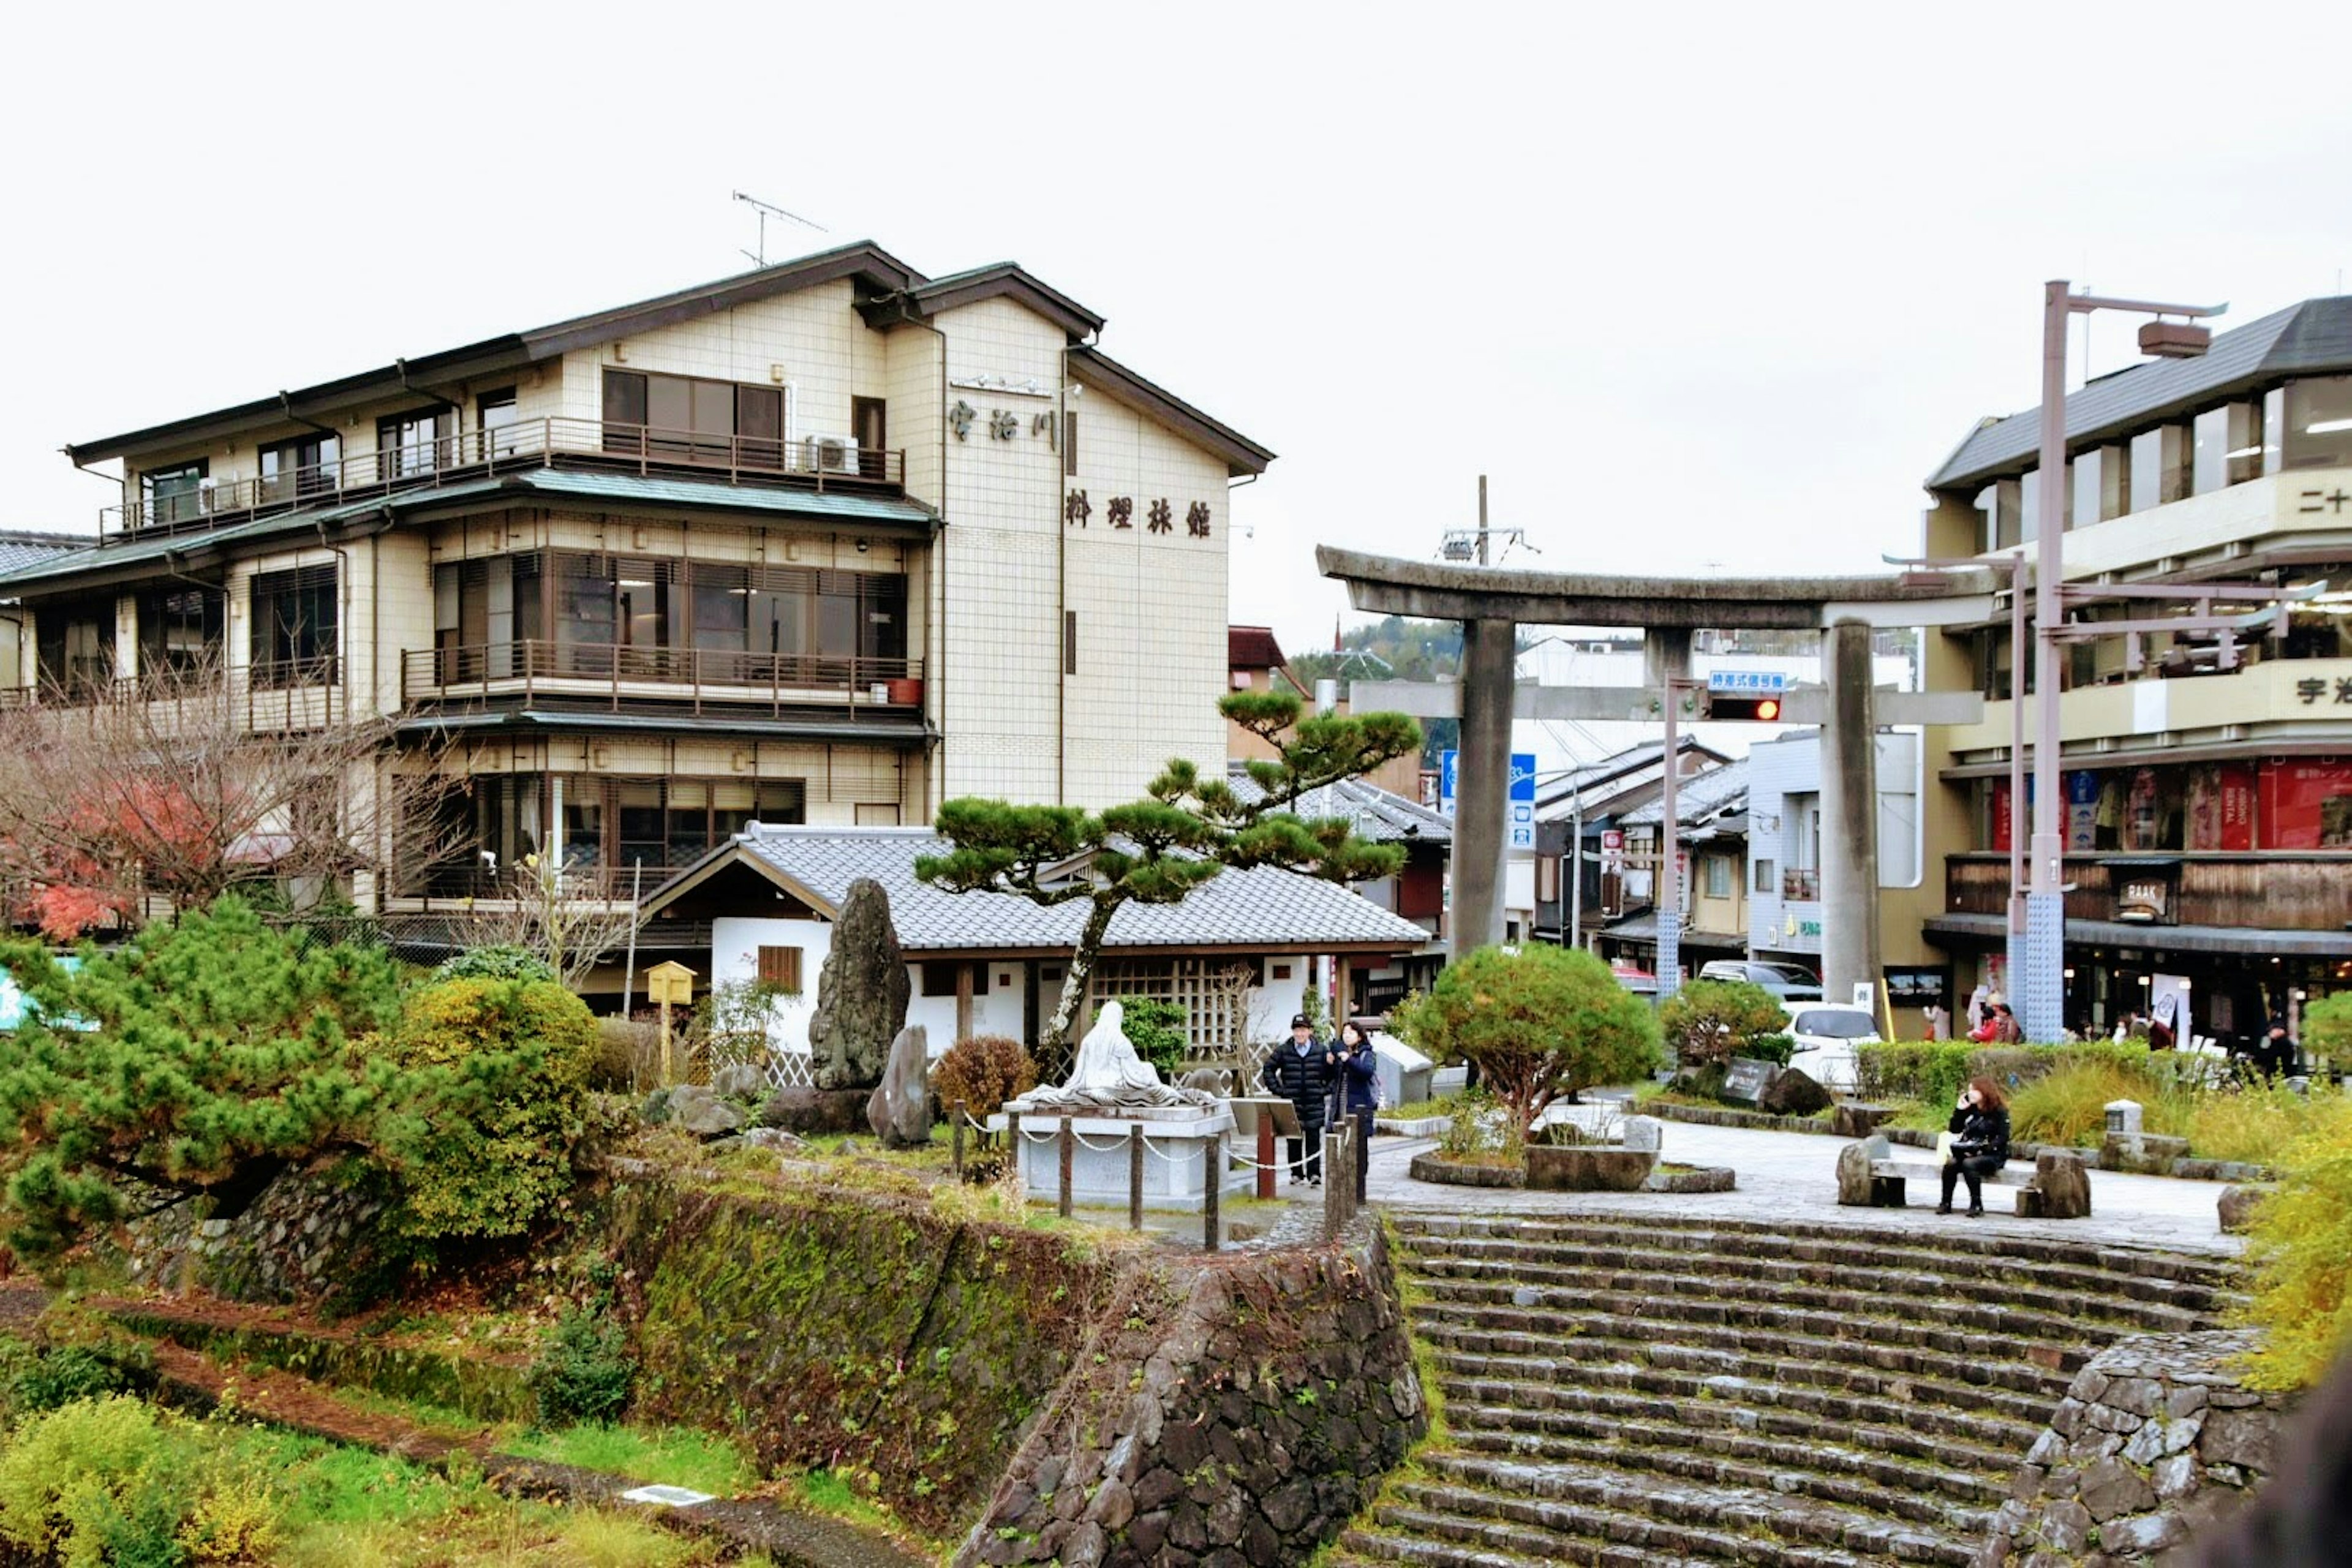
(1784, 785)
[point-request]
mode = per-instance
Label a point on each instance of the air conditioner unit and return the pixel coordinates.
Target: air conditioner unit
(830, 454)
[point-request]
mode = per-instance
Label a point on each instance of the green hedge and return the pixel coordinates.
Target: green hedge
(1934, 1072)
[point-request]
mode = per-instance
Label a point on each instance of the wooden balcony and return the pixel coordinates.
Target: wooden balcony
(536, 673)
(808, 463)
(263, 698)
(2285, 890)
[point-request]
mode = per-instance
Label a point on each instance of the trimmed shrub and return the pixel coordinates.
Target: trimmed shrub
(498, 962)
(507, 1067)
(1931, 1072)
(2301, 1248)
(1538, 1022)
(982, 1072)
(1709, 1021)
(1155, 1028)
(584, 1371)
(1774, 1048)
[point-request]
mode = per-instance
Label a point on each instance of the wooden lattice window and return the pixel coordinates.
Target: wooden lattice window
(780, 967)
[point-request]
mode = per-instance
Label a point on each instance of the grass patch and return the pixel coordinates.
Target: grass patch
(673, 1455)
(2255, 1124)
(830, 1493)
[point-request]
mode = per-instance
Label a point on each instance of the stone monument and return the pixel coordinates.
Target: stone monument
(861, 994)
(899, 1109)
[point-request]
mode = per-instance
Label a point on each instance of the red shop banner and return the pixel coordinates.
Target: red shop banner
(2306, 804)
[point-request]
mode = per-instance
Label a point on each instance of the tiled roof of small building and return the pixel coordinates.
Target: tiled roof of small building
(1381, 816)
(1264, 907)
(1253, 647)
(1700, 797)
(21, 548)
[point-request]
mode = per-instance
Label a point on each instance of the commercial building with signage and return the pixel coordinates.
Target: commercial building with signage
(825, 542)
(2208, 776)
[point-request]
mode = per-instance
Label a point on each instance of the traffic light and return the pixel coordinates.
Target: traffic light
(1722, 705)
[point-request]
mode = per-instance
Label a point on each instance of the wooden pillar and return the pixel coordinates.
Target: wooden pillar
(1210, 1226)
(1069, 1149)
(1135, 1177)
(1265, 1153)
(963, 1002)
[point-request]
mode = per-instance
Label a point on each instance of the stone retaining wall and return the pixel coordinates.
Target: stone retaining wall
(2155, 1438)
(304, 1236)
(1243, 1420)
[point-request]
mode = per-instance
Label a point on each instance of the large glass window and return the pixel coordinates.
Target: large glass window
(304, 467)
(181, 627)
(2229, 447)
(73, 645)
(692, 419)
(2102, 485)
(174, 494)
(2320, 423)
(2159, 466)
(295, 615)
(497, 416)
(418, 442)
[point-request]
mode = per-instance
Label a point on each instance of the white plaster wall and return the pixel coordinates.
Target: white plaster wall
(735, 943)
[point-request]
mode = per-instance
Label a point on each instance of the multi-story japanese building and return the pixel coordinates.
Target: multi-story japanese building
(2209, 774)
(828, 542)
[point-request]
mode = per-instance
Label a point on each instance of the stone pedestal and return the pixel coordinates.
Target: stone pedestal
(1185, 1143)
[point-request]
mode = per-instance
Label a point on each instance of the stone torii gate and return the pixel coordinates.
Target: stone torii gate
(1492, 602)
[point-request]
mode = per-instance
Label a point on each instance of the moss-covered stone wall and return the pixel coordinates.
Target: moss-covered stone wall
(852, 1331)
(1240, 1410)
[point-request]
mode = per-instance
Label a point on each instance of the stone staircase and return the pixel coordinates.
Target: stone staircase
(1652, 1392)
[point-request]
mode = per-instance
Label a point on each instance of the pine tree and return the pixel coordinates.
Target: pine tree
(1187, 829)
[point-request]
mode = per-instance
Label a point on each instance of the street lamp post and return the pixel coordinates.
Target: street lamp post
(2038, 991)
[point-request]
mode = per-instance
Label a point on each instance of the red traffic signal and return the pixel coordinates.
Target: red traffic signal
(1747, 710)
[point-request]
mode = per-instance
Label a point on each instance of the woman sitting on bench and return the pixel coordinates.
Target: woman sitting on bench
(1979, 1143)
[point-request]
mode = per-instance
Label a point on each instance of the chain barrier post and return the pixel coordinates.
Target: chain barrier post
(1135, 1177)
(1070, 1153)
(1214, 1187)
(1265, 1153)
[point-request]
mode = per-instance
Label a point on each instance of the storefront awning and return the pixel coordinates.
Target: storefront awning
(1993, 930)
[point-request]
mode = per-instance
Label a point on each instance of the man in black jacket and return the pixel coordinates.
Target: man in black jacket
(1302, 1072)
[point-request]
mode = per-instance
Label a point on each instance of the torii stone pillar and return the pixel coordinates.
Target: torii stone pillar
(1482, 781)
(1849, 752)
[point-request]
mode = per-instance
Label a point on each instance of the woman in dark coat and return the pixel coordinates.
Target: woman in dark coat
(1359, 1089)
(1979, 1130)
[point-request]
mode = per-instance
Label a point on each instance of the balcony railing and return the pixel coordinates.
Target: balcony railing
(626, 678)
(821, 462)
(1801, 884)
(295, 694)
(473, 884)
(2280, 890)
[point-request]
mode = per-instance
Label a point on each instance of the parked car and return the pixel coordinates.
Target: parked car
(1788, 981)
(1826, 1033)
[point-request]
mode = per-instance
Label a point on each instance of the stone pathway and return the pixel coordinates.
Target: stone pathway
(1792, 1176)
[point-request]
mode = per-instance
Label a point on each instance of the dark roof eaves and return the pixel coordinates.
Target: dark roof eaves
(1097, 369)
(1008, 279)
(517, 348)
(2315, 334)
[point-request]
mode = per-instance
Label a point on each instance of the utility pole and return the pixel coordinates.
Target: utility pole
(1482, 520)
(2038, 994)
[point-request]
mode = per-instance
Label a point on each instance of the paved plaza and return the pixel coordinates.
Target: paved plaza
(1792, 1176)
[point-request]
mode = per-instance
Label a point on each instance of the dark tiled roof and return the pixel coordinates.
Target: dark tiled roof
(1379, 814)
(1265, 908)
(1703, 797)
(1253, 647)
(1606, 771)
(2313, 336)
(19, 550)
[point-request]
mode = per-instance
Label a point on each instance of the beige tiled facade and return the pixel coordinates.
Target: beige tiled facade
(1065, 621)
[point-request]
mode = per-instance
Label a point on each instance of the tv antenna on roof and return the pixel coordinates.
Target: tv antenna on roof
(767, 210)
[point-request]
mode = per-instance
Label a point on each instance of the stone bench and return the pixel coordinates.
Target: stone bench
(2057, 1186)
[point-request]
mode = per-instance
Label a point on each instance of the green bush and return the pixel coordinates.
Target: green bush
(584, 1371)
(1774, 1048)
(2301, 1248)
(1537, 1021)
(506, 1064)
(1155, 1028)
(1932, 1072)
(1709, 1021)
(99, 1481)
(57, 1376)
(499, 962)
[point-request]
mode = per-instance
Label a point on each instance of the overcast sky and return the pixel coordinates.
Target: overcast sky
(1693, 286)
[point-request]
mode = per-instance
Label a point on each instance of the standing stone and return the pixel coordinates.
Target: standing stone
(900, 1108)
(861, 994)
(1644, 1132)
(2237, 1205)
(2064, 1185)
(1855, 1188)
(1793, 1092)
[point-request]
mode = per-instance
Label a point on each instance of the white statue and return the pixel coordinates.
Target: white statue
(1110, 1073)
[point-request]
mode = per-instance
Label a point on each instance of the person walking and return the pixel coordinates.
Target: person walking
(1359, 1089)
(1302, 1072)
(1979, 1143)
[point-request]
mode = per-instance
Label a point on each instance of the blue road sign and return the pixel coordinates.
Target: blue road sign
(1446, 762)
(1748, 682)
(1523, 776)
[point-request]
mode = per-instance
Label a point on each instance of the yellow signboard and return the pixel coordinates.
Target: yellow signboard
(670, 981)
